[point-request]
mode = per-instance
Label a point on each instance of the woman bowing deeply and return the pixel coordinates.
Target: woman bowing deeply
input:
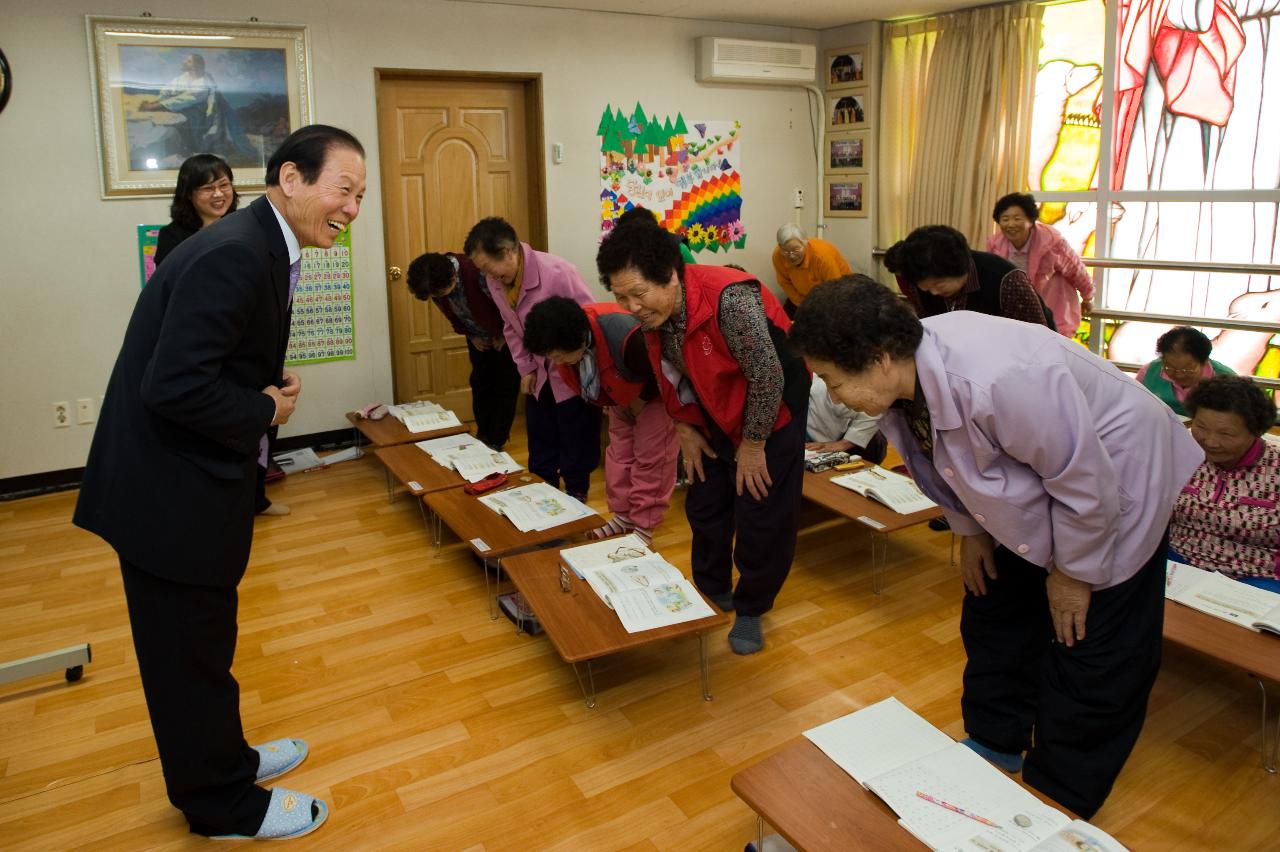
(739, 396)
(1059, 473)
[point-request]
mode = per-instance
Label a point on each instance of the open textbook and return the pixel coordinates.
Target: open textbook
(423, 416)
(537, 507)
(471, 459)
(944, 794)
(892, 489)
(1222, 597)
(644, 589)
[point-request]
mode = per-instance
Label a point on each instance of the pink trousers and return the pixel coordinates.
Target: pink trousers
(640, 463)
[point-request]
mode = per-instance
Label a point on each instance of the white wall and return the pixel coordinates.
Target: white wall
(68, 270)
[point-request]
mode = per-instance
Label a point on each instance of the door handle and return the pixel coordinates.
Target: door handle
(394, 272)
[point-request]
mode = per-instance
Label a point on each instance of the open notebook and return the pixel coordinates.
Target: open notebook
(423, 416)
(943, 793)
(892, 489)
(1222, 597)
(640, 586)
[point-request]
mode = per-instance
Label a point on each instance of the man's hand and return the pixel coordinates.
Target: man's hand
(753, 469)
(527, 382)
(285, 403)
(292, 384)
(693, 446)
(1068, 605)
(830, 446)
(977, 562)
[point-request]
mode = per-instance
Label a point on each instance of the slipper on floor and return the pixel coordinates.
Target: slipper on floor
(288, 816)
(279, 757)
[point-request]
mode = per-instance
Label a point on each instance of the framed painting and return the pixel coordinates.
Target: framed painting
(846, 197)
(847, 110)
(848, 152)
(846, 67)
(165, 90)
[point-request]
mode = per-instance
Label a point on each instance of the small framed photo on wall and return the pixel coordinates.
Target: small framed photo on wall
(847, 110)
(846, 67)
(846, 197)
(848, 152)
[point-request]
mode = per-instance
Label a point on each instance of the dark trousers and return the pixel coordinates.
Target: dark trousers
(765, 530)
(495, 384)
(1076, 711)
(185, 639)
(564, 439)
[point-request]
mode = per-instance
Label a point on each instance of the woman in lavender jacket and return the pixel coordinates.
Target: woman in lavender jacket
(1060, 473)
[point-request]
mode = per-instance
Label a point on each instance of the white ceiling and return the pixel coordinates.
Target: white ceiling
(804, 14)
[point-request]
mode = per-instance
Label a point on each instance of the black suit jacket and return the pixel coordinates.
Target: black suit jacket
(170, 478)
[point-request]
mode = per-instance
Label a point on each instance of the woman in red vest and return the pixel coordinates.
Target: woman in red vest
(739, 396)
(600, 353)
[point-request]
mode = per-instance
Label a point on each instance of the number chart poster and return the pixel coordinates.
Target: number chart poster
(686, 172)
(323, 317)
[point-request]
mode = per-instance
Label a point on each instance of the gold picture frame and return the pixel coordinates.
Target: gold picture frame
(167, 89)
(846, 197)
(849, 109)
(848, 152)
(846, 67)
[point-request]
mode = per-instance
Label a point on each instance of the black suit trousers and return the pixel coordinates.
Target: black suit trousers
(495, 384)
(185, 639)
(1076, 711)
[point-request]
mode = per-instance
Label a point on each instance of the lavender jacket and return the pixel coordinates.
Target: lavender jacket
(1056, 273)
(545, 275)
(1057, 454)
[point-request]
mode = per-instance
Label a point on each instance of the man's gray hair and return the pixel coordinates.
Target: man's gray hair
(791, 232)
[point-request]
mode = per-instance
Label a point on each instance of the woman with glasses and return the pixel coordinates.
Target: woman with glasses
(802, 264)
(1184, 362)
(205, 193)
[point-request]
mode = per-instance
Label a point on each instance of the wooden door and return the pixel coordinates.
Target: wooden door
(452, 151)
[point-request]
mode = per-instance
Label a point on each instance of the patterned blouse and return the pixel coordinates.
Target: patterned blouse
(746, 333)
(1226, 519)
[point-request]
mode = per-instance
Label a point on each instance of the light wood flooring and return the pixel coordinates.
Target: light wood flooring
(432, 727)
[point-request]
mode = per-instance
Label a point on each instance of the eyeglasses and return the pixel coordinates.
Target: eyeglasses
(222, 186)
(622, 554)
(793, 253)
(1181, 371)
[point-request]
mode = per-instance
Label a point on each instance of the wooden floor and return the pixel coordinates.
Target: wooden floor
(432, 727)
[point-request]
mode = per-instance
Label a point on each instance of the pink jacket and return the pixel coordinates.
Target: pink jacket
(1056, 272)
(545, 275)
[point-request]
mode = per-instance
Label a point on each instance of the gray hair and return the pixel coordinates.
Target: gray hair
(791, 232)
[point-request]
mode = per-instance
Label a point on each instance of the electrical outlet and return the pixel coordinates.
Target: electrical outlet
(799, 202)
(61, 415)
(84, 411)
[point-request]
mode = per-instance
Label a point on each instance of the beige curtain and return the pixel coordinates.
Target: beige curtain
(906, 49)
(971, 144)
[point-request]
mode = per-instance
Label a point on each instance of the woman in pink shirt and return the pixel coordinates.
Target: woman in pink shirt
(1055, 270)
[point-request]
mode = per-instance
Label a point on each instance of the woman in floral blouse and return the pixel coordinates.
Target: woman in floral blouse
(1226, 519)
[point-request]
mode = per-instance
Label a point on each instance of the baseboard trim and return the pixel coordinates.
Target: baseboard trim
(53, 481)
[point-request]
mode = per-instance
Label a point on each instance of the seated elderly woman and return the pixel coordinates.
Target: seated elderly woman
(938, 273)
(1225, 518)
(1183, 363)
(833, 427)
(1055, 270)
(801, 264)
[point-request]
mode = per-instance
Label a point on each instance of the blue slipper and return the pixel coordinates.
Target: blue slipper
(288, 816)
(279, 757)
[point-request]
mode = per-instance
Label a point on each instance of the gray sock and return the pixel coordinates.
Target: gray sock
(746, 637)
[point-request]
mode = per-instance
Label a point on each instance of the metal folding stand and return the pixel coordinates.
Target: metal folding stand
(71, 660)
(1270, 741)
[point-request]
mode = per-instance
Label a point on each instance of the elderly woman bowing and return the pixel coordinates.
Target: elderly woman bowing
(1064, 529)
(717, 342)
(802, 263)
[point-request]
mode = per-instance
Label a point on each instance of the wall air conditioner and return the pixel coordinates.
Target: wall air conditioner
(731, 60)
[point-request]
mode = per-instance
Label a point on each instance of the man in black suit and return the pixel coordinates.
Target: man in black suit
(170, 478)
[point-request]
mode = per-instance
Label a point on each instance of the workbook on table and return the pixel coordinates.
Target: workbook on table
(944, 794)
(640, 586)
(1222, 597)
(469, 457)
(423, 416)
(892, 489)
(537, 507)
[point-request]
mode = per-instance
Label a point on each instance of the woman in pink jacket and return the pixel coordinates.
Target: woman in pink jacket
(1055, 270)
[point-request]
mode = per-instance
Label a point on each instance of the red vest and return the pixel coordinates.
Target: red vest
(715, 374)
(616, 388)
